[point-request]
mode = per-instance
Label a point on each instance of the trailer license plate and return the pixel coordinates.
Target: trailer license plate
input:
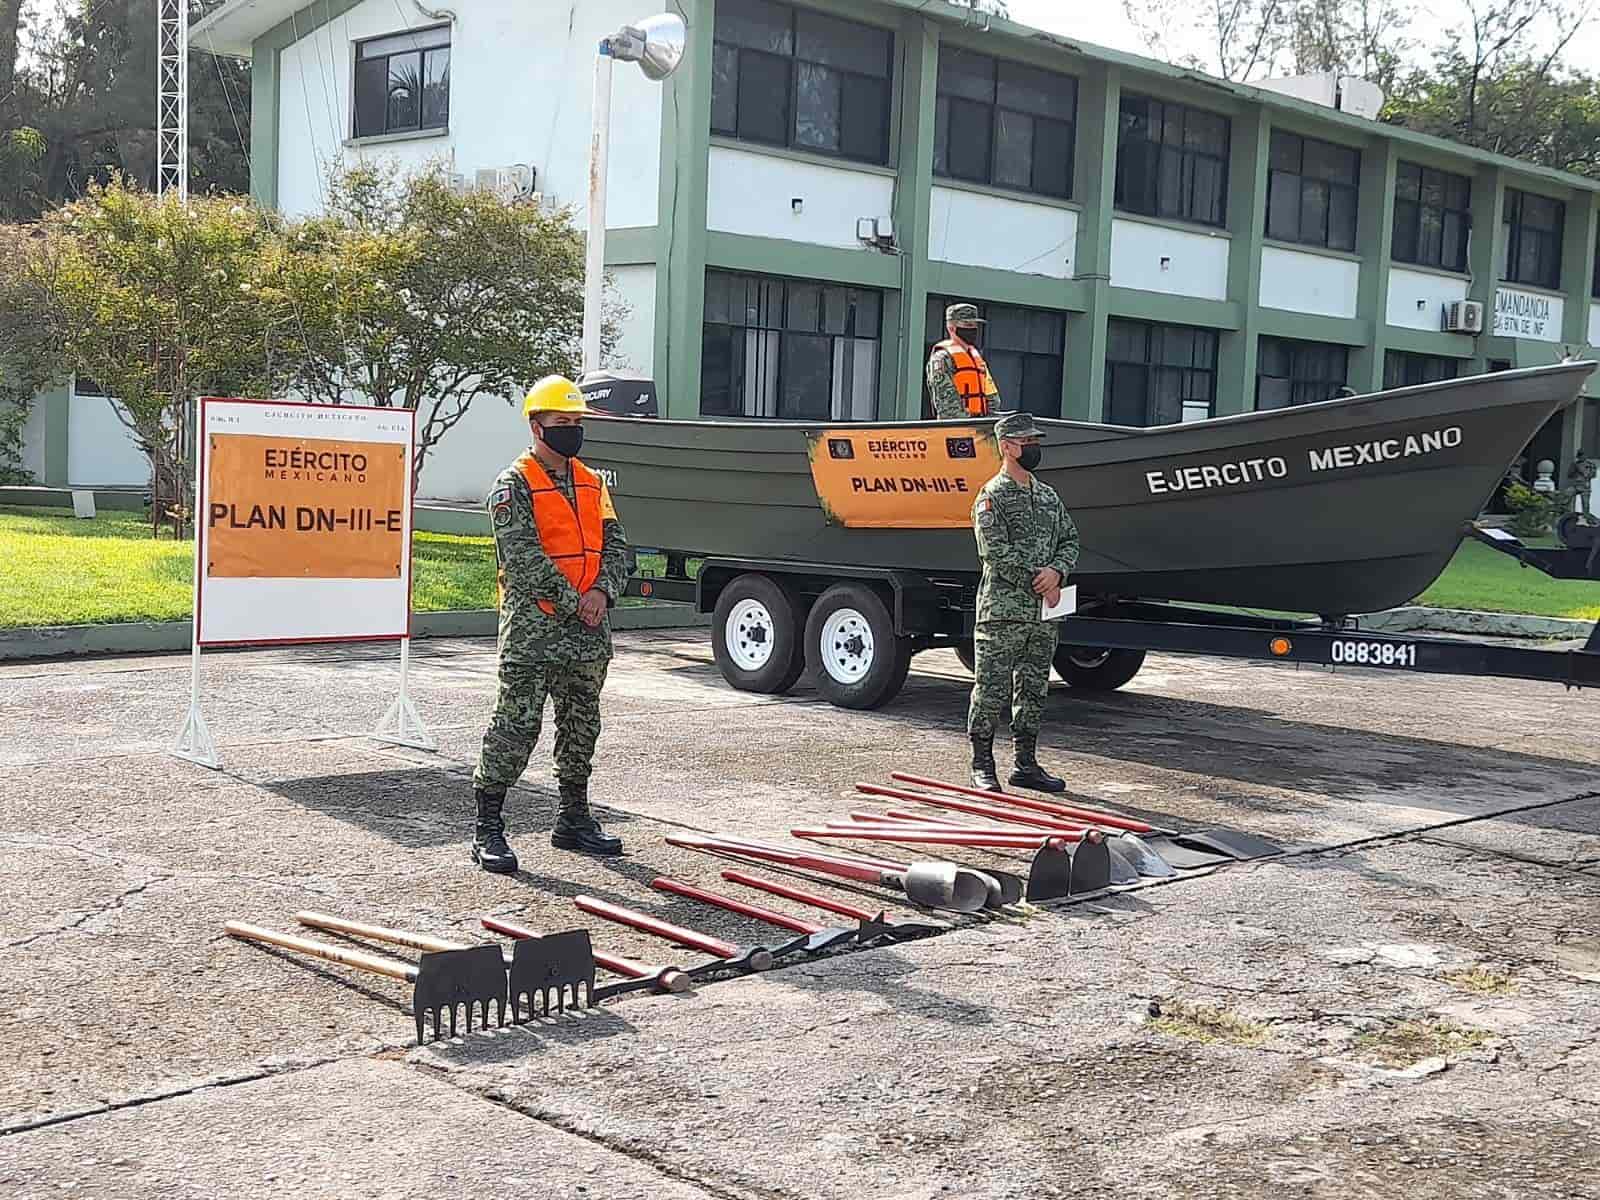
(1375, 654)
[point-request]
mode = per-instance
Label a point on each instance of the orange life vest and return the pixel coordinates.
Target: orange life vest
(973, 382)
(571, 536)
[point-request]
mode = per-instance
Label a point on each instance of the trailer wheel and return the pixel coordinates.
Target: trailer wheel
(756, 637)
(968, 655)
(851, 647)
(1096, 669)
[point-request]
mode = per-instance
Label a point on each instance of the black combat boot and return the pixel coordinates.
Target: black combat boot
(576, 828)
(984, 772)
(490, 849)
(1029, 773)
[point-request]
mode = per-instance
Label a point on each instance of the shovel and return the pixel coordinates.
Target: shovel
(640, 977)
(547, 967)
(929, 884)
(725, 955)
(1124, 867)
(1136, 855)
(475, 977)
(1057, 854)
(893, 929)
(817, 937)
(1206, 848)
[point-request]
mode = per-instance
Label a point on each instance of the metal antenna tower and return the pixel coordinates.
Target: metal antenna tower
(172, 97)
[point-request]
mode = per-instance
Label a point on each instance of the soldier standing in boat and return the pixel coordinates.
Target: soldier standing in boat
(563, 561)
(1028, 545)
(958, 378)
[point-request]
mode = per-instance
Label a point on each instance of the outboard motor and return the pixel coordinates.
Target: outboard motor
(620, 393)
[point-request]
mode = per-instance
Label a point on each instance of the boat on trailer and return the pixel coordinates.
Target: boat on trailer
(1347, 506)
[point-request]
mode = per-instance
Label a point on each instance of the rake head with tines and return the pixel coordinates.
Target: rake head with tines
(549, 972)
(474, 979)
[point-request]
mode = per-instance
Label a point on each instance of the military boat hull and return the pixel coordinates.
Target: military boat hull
(1347, 506)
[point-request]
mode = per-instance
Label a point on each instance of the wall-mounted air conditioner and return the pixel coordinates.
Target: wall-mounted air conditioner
(1463, 316)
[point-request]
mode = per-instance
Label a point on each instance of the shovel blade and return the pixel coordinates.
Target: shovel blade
(947, 886)
(448, 979)
(1091, 867)
(553, 968)
(1050, 876)
(1122, 868)
(1233, 843)
(1143, 858)
(1178, 853)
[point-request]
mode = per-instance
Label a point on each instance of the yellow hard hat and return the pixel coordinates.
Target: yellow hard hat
(554, 393)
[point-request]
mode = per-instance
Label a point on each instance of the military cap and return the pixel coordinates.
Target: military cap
(963, 314)
(1018, 425)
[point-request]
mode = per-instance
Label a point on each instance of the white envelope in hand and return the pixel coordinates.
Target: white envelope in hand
(1065, 606)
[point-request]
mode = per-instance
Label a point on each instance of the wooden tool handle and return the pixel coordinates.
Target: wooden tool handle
(359, 959)
(377, 933)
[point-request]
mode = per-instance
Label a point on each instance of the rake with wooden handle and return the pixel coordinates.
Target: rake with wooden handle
(544, 970)
(442, 981)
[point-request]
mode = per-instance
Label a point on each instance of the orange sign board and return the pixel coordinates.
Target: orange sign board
(283, 507)
(915, 477)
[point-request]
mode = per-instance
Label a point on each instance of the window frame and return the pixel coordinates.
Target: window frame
(1516, 229)
(1395, 362)
(1151, 331)
(944, 99)
(421, 50)
(1058, 358)
(1186, 157)
(1463, 216)
(1298, 350)
(882, 157)
(783, 330)
(1352, 188)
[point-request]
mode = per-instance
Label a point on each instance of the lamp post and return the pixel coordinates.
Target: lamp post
(657, 45)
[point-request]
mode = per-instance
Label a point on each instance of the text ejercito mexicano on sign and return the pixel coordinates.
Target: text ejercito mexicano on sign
(305, 508)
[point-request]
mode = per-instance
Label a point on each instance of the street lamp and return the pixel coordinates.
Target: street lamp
(657, 45)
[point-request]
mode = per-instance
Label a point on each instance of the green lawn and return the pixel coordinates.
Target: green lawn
(56, 570)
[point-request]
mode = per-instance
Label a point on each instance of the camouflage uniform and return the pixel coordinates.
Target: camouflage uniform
(541, 655)
(941, 371)
(1020, 528)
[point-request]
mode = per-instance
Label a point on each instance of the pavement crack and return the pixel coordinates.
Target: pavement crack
(99, 910)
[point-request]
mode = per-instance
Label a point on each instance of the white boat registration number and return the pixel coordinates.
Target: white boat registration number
(1375, 654)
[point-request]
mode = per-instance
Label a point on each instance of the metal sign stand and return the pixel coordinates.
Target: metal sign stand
(194, 739)
(401, 726)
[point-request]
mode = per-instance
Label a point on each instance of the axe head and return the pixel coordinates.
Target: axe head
(448, 979)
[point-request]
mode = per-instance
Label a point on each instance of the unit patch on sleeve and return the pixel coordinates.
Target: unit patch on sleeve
(500, 506)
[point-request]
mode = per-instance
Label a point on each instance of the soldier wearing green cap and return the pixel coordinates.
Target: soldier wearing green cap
(958, 378)
(1028, 545)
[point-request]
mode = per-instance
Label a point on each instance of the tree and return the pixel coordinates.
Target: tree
(160, 304)
(427, 299)
(1242, 39)
(1369, 38)
(30, 341)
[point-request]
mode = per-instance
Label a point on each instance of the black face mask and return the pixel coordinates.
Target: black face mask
(968, 334)
(565, 440)
(1030, 456)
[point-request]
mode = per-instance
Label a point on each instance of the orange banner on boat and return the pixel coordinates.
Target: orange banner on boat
(916, 477)
(304, 508)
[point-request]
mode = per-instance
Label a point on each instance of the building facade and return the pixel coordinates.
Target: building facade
(791, 211)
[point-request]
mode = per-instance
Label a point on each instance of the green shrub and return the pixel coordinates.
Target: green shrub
(1533, 514)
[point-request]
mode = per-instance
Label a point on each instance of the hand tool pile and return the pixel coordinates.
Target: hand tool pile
(1075, 850)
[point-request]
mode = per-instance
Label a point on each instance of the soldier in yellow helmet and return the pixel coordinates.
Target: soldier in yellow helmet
(563, 561)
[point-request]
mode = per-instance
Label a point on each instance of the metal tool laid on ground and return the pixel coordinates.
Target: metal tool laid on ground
(725, 955)
(443, 981)
(1202, 848)
(549, 969)
(818, 937)
(1122, 869)
(639, 976)
(1132, 852)
(892, 929)
(930, 884)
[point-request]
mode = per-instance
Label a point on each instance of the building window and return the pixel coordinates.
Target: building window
(1533, 239)
(1290, 372)
(1406, 370)
(1159, 374)
(1024, 348)
(1432, 217)
(1004, 124)
(793, 77)
(1312, 190)
(403, 83)
(790, 349)
(1172, 161)
(1594, 287)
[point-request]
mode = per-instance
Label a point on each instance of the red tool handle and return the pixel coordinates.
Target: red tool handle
(788, 893)
(913, 835)
(993, 812)
(897, 818)
(614, 963)
(656, 927)
(754, 911)
(828, 864)
(1061, 810)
